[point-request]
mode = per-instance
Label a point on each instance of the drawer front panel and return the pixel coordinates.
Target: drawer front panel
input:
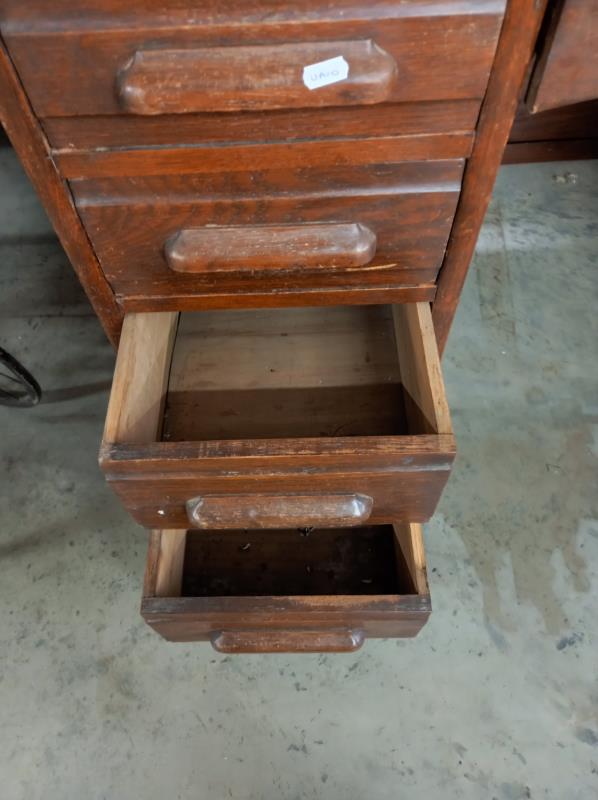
(112, 60)
(250, 231)
(285, 590)
(179, 621)
(401, 491)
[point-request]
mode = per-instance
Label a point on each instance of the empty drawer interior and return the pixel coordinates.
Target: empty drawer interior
(293, 411)
(315, 372)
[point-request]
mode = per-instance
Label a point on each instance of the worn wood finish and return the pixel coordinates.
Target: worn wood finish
(277, 156)
(520, 28)
(163, 575)
(32, 148)
(404, 475)
(259, 77)
(230, 248)
(421, 375)
(82, 53)
(249, 457)
(406, 208)
(410, 543)
(318, 593)
(402, 119)
(342, 294)
(557, 150)
(293, 414)
(164, 566)
(271, 510)
(93, 15)
(567, 68)
(303, 641)
(140, 381)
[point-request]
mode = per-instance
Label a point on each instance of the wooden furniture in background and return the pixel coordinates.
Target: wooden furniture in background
(566, 68)
(560, 134)
(558, 116)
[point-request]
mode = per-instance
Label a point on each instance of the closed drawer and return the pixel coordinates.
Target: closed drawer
(285, 591)
(165, 238)
(209, 58)
(325, 417)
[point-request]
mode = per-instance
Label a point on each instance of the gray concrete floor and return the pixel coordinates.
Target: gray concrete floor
(497, 698)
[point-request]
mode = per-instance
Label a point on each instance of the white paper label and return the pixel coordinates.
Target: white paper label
(326, 72)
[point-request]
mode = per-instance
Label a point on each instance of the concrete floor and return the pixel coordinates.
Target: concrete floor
(497, 698)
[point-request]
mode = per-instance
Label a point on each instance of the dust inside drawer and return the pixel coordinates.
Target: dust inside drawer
(293, 562)
(287, 589)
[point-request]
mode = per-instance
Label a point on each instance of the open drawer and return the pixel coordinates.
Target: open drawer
(278, 418)
(285, 591)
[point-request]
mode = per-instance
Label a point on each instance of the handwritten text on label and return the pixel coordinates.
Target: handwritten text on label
(325, 72)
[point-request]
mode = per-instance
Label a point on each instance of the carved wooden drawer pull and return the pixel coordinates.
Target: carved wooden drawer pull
(260, 77)
(224, 249)
(298, 641)
(278, 510)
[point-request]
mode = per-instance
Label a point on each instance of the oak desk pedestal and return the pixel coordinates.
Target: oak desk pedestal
(272, 207)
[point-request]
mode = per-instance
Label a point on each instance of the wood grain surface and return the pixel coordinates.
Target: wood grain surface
(269, 510)
(249, 78)
(400, 119)
(245, 355)
(324, 153)
(135, 225)
(32, 148)
(342, 294)
(567, 68)
(83, 52)
(283, 591)
(230, 248)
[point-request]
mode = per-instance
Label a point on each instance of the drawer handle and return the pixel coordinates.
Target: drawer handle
(258, 77)
(299, 641)
(259, 247)
(278, 510)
